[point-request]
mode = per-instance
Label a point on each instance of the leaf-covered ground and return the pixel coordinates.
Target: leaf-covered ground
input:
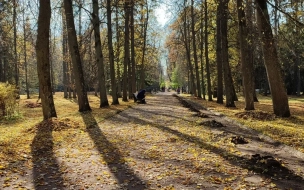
(159, 145)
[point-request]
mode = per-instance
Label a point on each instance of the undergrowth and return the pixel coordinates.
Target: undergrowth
(289, 131)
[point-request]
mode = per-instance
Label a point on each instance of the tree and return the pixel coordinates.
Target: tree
(64, 57)
(133, 63)
(219, 63)
(187, 47)
(43, 62)
(126, 51)
(247, 64)
(83, 101)
(111, 54)
(207, 52)
(271, 61)
(199, 93)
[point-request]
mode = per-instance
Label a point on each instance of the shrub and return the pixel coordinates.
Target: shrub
(8, 103)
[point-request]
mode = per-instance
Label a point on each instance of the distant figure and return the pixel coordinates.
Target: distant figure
(178, 90)
(141, 94)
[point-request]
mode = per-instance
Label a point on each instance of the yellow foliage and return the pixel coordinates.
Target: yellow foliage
(8, 95)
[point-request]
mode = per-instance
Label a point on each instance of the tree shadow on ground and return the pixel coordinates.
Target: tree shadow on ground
(46, 169)
(111, 154)
(282, 176)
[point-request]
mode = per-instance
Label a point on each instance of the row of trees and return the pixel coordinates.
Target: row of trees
(226, 45)
(107, 46)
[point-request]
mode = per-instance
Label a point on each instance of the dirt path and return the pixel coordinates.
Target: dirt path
(162, 145)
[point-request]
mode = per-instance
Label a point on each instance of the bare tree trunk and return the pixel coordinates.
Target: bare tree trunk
(207, 52)
(118, 52)
(250, 20)
(1, 64)
(111, 54)
(229, 87)
(99, 56)
(247, 64)
(52, 46)
(25, 58)
(201, 55)
(133, 74)
(219, 61)
(126, 51)
(43, 64)
(16, 74)
(278, 91)
(64, 57)
(199, 93)
(83, 101)
(188, 53)
(142, 68)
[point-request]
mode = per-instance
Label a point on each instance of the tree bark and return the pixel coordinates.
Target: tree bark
(64, 57)
(16, 74)
(247, 64)
(126, 52)
(201, 55)
(99, 56)
(111, 54)
(207, 52)
(25, 58)
(43, 62)
(83, 101)
(118, 52)
(188, 53)
(142, 67)
(199, 93)
(219, 61)
(271, 61)
(133, 63)
(229, 87)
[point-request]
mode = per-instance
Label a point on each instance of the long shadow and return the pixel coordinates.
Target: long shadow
(111, 154)
(284, 175)
(46, 169)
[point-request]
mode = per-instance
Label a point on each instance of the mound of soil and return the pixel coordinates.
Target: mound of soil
(238, 140)
(268, 161)
(54, 124)
(32, 105)
(212, 123)
(258, 115)
(202, 115)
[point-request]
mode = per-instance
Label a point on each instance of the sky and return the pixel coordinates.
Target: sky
(161, 15)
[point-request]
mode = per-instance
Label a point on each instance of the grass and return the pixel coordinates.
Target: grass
(289, 131)
(17, 134)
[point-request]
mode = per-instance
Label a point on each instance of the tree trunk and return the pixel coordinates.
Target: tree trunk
(118, 52)
(133, 64)
(219, 61)
(126, 52)
(207, 53)
(247, 64)
(16, 74)
(99, 56)
(250, 28)
(111, 54)
(271, 61)
(229, 87)
(43, 63)
(64, 57)
(25, 58)
(201, 55)
(188, 53)
(142, 70)
(83, 102)
(199, 93)
(1, 64)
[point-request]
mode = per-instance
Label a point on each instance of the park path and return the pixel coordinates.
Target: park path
(165, 145)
